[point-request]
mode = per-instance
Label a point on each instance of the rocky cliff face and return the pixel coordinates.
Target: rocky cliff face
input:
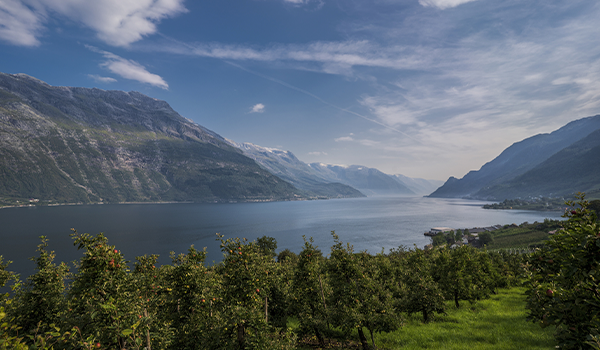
(67, 144)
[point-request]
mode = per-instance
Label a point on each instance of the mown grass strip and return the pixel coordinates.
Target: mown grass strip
(497, 323)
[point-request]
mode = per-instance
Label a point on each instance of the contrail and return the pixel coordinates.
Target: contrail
(318, 98)
(283, 83)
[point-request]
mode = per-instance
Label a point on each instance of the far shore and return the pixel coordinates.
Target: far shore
(29, 205)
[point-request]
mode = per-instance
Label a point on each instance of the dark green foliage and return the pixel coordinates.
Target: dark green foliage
(287, 256)
(486, 238)
(41, 301)
(532, 204)
(455, 272)
(310, 290)
(421, 292)
(595, 207)
(245, 301)
(563, 287)
(191, 297)
(267, 246)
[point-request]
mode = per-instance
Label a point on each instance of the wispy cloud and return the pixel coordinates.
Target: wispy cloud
(257, 108)
(317, 153)
(342, 55)
(100, 79)
(443, 4)
(317, 4)
(116, 22)
(129, 69)
(345, 138)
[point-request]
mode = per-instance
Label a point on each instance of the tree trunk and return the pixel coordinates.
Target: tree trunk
(425, 315)
(240, 336)
(372, 338)
(319, 337)
(363, 339)
(266, 309)
(456, 299)
(322, 294)
(148, 347)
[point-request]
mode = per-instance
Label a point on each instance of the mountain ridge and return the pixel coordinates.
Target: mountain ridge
(517, 159)
(287, 166)
(71, 144)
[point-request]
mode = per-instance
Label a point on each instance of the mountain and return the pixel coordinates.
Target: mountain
(418, 185)
(285, 165)
(367, 180)
(69, 144)
(518, 159)
(573, 169)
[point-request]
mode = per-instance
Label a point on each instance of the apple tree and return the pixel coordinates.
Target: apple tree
(247, 275)
(103, 303)
(310, 291)
(421, 293)
(563, 282)
(39, 302)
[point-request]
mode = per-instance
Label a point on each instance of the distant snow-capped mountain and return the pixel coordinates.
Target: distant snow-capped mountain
(285, 165)
(333, 181)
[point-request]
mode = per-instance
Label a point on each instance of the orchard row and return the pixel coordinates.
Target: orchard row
(245, 301)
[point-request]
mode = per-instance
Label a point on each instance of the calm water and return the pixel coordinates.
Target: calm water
(368, 223)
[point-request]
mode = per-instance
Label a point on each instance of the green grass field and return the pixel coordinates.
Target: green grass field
(493, 324)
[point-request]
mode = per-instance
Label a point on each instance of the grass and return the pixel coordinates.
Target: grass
(495, 323)
(518, 239)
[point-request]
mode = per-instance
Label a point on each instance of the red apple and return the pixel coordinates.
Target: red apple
(549, 292)
(115, 251)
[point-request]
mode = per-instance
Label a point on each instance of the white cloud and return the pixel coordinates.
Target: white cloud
(318, 3)
(116, 22)
(129, 69)
(344, 139)
(19, 24)
(317, 153)
(443, 4)
(257, 108)
(100, 79)
(334, 57)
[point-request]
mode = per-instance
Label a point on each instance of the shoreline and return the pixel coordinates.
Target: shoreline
(166, 202)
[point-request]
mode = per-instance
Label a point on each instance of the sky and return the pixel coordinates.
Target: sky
(423, 88)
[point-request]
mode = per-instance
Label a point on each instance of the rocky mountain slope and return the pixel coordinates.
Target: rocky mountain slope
(516, 160)
(285, 165)
(68, 144)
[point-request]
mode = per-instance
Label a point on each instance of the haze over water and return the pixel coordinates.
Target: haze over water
(136, 229)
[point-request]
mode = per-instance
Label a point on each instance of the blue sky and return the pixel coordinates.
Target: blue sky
(424, 88)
